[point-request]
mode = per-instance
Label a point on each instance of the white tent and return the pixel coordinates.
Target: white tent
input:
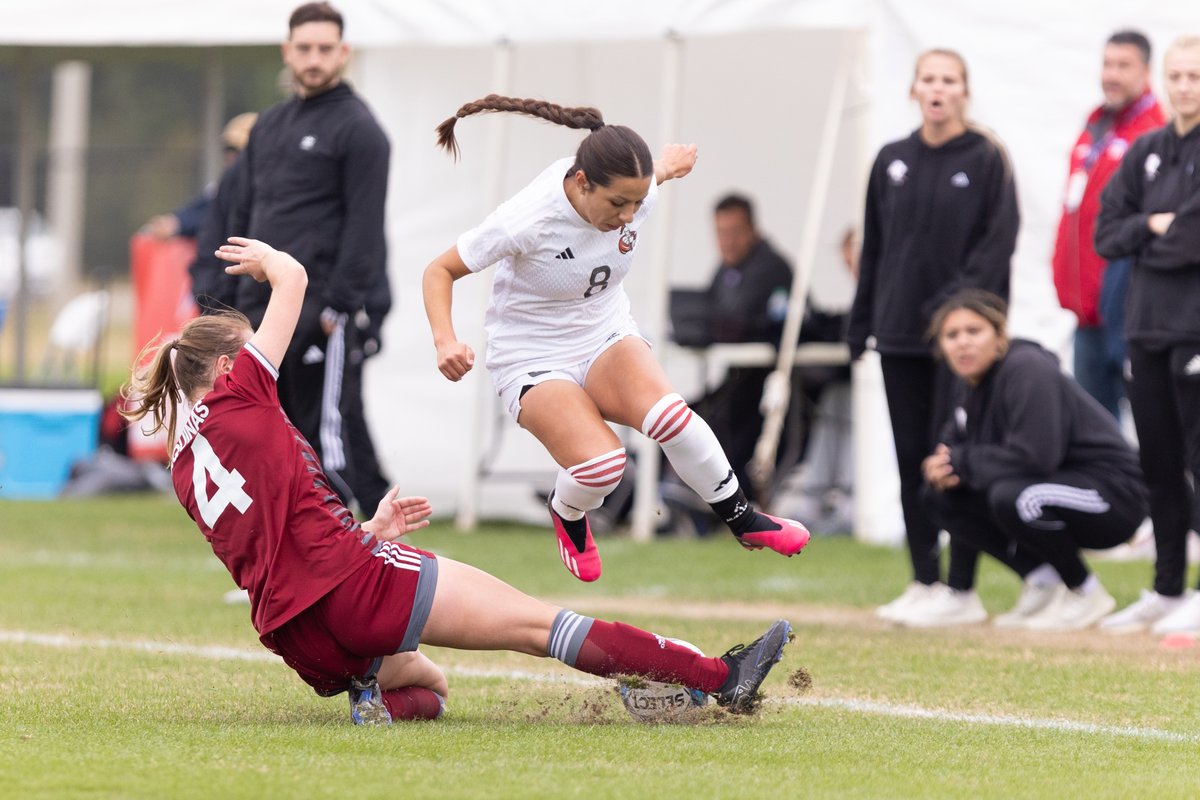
(746, 79)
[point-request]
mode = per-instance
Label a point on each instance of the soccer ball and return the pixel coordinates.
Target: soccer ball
(654, 701)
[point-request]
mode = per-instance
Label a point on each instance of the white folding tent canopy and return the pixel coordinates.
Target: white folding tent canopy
(746, 79)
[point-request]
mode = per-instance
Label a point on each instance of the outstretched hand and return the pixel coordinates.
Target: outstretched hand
(675, 161)
(247, 256)
(397, 516)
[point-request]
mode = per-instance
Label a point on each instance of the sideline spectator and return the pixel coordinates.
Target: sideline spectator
(941, 215)
(1150, 212)
(188, 219)
(1029, 469)
(1088, 286)
(211, 287)
(316, 178)
(747, 301)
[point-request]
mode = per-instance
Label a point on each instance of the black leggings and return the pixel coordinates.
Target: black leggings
(918, 397)
(1165, 401)
(1027, 522)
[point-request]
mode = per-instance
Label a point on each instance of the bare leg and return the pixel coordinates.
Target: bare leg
(626, 381)
(473, 610)
(412, 669)
(566, 421)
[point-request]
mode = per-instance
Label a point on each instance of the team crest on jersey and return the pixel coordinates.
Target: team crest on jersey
(308, 142)
(897, 171)
(627, 241)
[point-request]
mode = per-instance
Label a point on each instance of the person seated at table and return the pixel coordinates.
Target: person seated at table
(747, 301)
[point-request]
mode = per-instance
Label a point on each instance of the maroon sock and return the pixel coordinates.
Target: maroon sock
(614, 648)
(412, 702)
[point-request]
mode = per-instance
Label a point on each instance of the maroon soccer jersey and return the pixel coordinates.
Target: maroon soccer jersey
(254, 486)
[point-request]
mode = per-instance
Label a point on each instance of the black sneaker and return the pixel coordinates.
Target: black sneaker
(748, 668)
(366, 703)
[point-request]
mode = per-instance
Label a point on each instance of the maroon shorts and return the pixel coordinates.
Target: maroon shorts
(378, 610)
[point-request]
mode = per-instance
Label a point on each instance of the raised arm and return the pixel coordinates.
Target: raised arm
(288, 281)
(676, 161)
(454, 358)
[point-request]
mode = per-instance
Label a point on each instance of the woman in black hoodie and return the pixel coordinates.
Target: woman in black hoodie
(1029, 468)
(941, 214)
(1150, 211)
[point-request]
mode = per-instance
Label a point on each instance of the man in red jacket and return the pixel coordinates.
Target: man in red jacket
(1087, 285)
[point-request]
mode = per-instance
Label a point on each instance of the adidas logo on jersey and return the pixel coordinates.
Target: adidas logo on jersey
(1192, 367)
(565, 254)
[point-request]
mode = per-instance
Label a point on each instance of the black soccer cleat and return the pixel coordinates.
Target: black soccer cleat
(748, 668)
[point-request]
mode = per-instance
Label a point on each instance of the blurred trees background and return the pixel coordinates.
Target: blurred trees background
(146, 148)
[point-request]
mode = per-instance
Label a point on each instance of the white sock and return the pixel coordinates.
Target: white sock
(1044, 577)
(692, 448)
(583, 487)
(1090, 584)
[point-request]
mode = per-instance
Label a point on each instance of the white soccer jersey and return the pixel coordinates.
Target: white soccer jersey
(557, 294)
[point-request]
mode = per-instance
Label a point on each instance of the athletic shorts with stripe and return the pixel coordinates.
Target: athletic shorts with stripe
(378, 610)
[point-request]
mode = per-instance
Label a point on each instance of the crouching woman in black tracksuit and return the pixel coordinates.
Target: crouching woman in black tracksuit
(1030, 469)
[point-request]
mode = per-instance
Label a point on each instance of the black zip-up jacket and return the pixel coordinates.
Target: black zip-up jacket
(315, 186)
(1159, 174)
(1026, 419)
(742, 297)
(938, 219)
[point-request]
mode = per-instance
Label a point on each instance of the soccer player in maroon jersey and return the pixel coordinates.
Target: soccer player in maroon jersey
(345, 604)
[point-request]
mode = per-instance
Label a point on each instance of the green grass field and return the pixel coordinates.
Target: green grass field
(122, 674)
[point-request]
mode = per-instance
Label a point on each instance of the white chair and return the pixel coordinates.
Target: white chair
(75, 335)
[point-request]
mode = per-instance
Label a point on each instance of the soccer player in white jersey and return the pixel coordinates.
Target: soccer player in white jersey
(345, 604)
(563, 350)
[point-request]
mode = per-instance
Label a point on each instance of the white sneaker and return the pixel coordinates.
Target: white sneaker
(913, 593)
(944, 607)
(1185, 618)
(1033, 599)
(1072, 611)
(1140, 614)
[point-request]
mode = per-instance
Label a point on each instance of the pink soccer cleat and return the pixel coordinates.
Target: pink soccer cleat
(784, 536)
(583, 564)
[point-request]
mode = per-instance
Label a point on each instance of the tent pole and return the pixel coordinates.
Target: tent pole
(66, 174)
(645, 497)
(484, 403)
(777, 391)
(24, 181)
(214, 109)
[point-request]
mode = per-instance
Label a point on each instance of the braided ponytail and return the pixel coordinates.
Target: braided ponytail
(578, 117)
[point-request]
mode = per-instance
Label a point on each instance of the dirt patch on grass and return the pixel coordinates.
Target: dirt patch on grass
(801, 681)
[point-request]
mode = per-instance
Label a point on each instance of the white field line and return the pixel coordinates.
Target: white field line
(217, 653)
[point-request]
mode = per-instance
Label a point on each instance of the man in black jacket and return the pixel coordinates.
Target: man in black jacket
(316, 171)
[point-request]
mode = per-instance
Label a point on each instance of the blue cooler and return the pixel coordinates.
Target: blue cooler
(42, 433)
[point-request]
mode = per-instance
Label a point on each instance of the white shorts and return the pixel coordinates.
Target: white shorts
(534, 373)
